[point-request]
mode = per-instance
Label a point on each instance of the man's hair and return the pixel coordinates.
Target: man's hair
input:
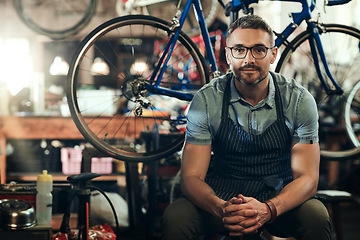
(250, 22)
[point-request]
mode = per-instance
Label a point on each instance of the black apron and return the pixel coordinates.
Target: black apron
(256, 166)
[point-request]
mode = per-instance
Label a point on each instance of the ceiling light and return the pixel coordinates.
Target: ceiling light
(99, 67)
(59, 67)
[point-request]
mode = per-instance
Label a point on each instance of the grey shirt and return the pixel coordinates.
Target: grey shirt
(300, 110)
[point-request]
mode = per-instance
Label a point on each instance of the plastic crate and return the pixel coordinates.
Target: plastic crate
(101, 165)
(71, 162)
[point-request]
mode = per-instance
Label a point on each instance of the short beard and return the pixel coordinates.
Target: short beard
(237, 75)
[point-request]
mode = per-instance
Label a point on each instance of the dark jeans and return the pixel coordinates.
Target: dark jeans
(310, 221)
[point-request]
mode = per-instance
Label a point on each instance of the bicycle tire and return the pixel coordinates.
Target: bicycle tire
(135, 113)
(67, 17)
(352, 114)
(343, 60)
(210, 10)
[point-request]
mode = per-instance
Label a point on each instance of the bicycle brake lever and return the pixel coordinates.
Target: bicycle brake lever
(331, 92)
(228, 9)
(249, 10)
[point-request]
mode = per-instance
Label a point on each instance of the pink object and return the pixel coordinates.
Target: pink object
(71, 162)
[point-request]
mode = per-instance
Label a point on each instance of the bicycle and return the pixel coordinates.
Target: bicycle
(155, 69)
(61, 19)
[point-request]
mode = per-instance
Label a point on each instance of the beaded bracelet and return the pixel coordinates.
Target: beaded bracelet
(272, 209)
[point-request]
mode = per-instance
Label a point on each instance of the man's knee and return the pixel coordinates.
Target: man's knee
(180, 211)
(179, 220)
(314, 212)
(316, 221)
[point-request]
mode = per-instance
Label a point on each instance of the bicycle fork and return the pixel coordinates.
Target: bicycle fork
(317, 48)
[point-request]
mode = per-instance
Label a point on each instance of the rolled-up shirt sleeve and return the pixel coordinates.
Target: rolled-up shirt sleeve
(307, 120)
(197, 128)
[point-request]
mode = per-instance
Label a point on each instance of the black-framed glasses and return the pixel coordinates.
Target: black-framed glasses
(258, 52)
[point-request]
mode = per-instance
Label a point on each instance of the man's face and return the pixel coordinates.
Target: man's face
(249, 70)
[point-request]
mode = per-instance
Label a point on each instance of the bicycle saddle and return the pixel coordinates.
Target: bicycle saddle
(82, 177)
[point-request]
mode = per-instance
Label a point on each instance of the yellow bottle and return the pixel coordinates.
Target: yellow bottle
(44, 198)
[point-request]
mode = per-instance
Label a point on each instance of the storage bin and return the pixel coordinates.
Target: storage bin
(101, 165)
(71, 162)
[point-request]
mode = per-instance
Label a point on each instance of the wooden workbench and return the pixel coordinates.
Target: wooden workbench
(16, 127)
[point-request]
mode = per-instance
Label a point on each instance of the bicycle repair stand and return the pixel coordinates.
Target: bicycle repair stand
(83, 193)
(83, 180)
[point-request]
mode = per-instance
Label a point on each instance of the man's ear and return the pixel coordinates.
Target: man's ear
(228, 56)
(274, 53)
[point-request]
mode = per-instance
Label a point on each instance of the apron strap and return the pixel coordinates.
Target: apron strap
(226, 99)
(278, 102)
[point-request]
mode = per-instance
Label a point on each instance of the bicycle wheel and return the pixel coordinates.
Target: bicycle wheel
(341, 46)
(352, 115)
(167, 10)
(122, 112)
(56, 19)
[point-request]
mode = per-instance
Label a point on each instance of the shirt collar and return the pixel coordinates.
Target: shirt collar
(269, 100)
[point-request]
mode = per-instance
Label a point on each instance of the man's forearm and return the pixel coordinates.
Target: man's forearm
(294, 194)
(202, 195)
(305, 160)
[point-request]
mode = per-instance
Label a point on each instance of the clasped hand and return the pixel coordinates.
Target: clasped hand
(244, 215)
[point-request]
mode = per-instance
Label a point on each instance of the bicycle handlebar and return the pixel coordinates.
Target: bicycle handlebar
(335, 2)
(237, 5)
(244, 4)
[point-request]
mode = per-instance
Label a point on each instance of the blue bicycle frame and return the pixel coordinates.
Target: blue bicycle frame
(164, 59)
(315, 42)
(237, 5)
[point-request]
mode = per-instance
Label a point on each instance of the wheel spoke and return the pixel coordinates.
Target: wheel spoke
(121, 110)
